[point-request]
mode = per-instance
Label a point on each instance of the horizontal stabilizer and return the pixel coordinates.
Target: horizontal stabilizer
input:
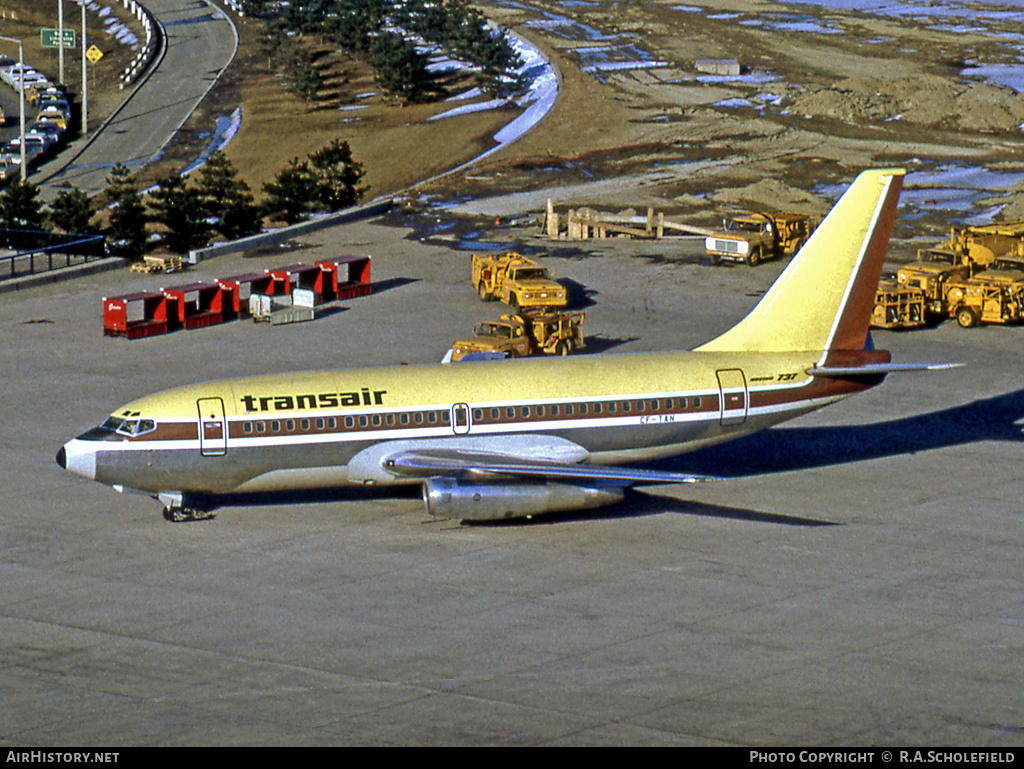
(874, 369)
(426, 462)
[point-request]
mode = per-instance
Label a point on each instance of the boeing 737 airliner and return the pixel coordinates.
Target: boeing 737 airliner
(503, 439)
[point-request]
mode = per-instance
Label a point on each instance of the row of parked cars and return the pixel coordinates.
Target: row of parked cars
(52, 115)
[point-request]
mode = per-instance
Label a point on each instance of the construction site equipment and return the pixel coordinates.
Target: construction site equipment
(981, 245)
(931, 274)
(976, 301)
(518, 336)
(977, 276)
(897, 306)
(517, 281)
(586, 223)
(157, 264)
(752, 238)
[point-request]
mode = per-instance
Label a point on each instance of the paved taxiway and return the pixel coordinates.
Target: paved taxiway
(858, 582)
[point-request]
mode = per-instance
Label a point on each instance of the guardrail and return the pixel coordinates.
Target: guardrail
(153, 32)
(40, 260)
(273, 237)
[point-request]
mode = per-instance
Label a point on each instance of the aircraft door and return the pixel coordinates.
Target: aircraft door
(732, 388)
(213, 427)
(460, 418)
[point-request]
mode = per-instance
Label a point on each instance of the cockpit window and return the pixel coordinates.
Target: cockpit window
(129, 427)
(112, 424)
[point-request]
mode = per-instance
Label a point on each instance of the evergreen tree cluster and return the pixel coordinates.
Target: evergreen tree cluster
(190, 210)
(379, 32)
(287, 52)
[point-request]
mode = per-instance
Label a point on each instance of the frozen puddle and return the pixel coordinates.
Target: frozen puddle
(958, 191)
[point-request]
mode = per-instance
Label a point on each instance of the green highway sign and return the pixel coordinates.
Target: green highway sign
(50, 39)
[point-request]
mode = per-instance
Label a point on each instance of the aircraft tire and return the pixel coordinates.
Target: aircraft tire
(182, 514)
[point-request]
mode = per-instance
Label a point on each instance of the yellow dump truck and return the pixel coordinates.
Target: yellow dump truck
(518, 336)
(517, 281)
(753, 238)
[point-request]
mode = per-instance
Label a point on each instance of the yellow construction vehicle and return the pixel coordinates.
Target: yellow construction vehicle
(898, 306)
(975, 301)
(981, 245)
(518, 336)
(977, 276)
(517, 281)
(752, 238)
(930, 274)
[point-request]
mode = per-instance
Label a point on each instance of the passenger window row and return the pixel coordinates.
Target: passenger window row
(493, 415)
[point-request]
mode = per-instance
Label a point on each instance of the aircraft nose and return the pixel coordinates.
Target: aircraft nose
(79, 457)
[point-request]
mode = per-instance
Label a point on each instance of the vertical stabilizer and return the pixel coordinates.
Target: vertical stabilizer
(823, 300)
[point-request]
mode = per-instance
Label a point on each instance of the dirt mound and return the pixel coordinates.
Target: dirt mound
(772, 195)
(925, 100)
(1014, 210)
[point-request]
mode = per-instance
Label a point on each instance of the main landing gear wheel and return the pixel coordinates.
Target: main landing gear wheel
(181, 514)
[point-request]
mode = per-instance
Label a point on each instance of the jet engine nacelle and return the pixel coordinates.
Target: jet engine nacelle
(464, 500)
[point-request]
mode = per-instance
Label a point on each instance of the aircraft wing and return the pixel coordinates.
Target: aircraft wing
(457, 463)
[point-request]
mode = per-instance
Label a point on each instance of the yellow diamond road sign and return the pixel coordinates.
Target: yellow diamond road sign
(94, 54)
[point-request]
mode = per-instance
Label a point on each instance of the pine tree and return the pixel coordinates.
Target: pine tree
(179, 208)
(21, 214)
(338, 176)
(127, 231)
(72, 211)
(293, 193)
(20, 207)
(399, 68)
(226, 199)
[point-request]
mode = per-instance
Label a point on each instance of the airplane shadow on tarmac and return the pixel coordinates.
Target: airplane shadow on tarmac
(777, 450)
(784, 449)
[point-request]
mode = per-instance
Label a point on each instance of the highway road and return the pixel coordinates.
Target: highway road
(200, 43)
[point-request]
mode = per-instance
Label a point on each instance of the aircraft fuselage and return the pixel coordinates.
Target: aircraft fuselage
(317, 429)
